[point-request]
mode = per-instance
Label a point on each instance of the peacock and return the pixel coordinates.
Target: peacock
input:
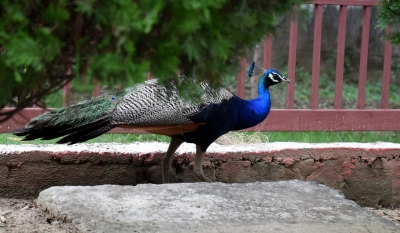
(198, 116)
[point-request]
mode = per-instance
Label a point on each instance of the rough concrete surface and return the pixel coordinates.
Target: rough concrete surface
(368, 173)
(283, 206)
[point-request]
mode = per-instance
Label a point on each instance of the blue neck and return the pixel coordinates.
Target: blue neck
(253, 112)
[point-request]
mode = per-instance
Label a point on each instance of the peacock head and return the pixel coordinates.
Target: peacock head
(272, 77)
(269, 77)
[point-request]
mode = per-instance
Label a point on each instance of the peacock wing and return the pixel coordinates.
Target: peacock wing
(153, 104)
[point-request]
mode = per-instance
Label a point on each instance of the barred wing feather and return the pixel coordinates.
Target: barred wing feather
(152, 104)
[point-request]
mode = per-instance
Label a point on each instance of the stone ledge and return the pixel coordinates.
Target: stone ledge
(367, 173)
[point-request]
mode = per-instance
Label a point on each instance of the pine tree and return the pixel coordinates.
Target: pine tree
(389, 15)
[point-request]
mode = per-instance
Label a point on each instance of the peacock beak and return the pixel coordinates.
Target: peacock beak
(286, 80)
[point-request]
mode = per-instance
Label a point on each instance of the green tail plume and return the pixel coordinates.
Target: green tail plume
(81, 113)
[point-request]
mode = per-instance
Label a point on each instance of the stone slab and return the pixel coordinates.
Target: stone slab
(283, 206)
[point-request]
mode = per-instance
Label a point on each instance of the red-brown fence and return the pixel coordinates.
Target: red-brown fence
(337, 119)
(312, 119)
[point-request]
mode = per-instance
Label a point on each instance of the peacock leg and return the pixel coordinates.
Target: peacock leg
(166, 161)
(198, 165)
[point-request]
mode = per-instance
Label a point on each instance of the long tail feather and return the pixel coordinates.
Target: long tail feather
(69, 130)
(93, 134)
(38, 132)
(79, 122)
(85, 133)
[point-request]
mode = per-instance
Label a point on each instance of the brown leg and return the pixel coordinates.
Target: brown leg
(166, 161)
(198, 165)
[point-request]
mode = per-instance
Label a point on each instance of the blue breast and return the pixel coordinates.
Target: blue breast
(253, 112)
(232, 114)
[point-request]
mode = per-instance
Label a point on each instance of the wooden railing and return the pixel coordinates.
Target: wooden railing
(337, 119)
(312, 119)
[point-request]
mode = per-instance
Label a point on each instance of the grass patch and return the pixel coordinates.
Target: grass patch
(310, 137)
(239, 137)
(325, 137)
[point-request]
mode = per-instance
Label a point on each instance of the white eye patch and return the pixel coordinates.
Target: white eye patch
(271, 76)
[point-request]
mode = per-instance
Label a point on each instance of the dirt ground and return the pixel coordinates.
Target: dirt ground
(20, 215)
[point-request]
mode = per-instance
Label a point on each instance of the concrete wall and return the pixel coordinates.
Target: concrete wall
(366, 173)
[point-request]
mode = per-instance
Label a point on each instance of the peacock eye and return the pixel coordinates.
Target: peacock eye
(278, 77)
(274, 77)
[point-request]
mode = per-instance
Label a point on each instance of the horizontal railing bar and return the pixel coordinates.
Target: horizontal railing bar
(278, 120)
(345, 2)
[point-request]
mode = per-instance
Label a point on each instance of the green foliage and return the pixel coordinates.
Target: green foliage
(43, 44)
(389, 14)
